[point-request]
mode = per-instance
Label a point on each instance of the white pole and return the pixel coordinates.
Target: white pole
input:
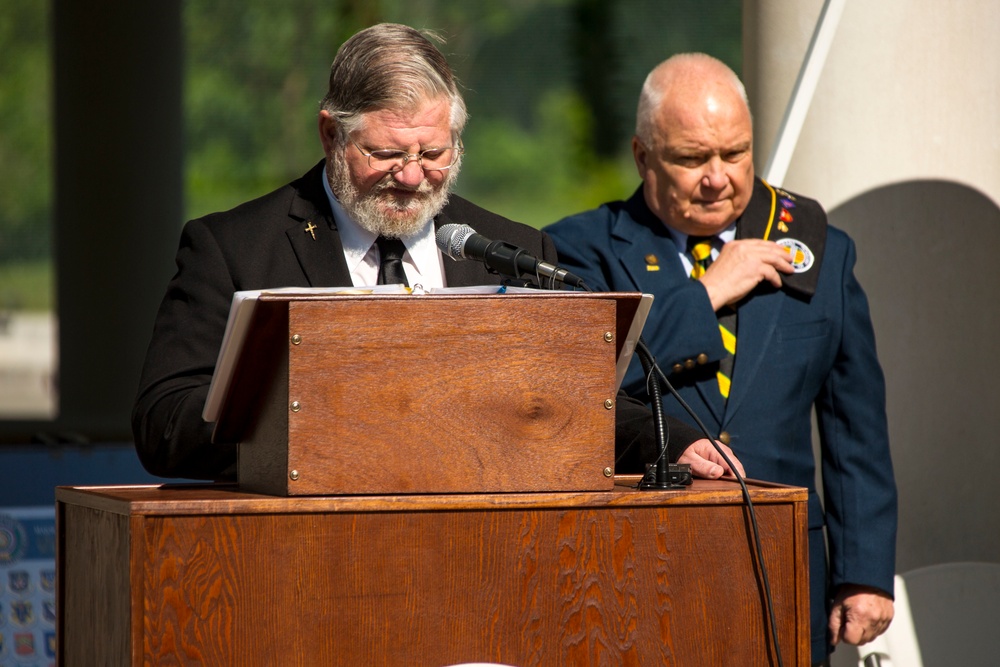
(802, 93)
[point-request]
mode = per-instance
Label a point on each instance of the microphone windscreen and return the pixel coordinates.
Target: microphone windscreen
(451, 239)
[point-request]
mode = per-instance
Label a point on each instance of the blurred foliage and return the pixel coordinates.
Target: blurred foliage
(25, 132)
(551, 87)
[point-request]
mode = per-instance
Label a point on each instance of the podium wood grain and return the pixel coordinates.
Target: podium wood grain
(368, 394)
(211, 576)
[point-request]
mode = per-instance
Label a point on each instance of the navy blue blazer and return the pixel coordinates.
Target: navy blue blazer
(794, 354)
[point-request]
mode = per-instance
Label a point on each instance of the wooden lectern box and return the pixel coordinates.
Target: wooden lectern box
(207, 575)
(456, 393)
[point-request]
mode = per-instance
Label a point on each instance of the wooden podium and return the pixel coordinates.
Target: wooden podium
(368, 394)
(209, 575)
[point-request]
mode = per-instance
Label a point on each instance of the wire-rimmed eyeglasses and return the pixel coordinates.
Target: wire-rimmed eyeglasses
(431, 159)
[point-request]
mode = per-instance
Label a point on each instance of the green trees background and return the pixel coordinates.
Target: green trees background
(551, 87)
(25, 157)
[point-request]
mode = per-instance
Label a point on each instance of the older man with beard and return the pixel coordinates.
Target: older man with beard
(390, 126)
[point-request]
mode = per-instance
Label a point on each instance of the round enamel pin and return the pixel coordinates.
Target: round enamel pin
(802, 256)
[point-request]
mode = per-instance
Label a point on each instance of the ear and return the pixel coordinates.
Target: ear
(640, 155)
(327, 131)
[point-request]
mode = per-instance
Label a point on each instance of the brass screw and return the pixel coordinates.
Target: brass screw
(608, 472)
(609, 404)
(294, 475)
(296, 406)
(608, 336)
(296, 339)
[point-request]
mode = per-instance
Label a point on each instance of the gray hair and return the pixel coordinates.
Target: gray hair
(664, 75)
(389, 67)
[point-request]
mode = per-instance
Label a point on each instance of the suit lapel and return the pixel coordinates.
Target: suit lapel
(758, 318)
(313, 235)
(638, 239)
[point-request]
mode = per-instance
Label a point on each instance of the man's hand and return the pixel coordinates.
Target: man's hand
(706, 462)
(741, 266)
(859, 614)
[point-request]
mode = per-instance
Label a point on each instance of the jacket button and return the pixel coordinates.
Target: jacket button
(689, 364)
(702, 359)
(724, 437)
(677, 368)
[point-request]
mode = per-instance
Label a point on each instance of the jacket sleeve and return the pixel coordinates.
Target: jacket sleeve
(859, 489)
(635, 436)
(171, 438)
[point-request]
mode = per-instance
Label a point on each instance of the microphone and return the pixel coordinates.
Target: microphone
(462, 242)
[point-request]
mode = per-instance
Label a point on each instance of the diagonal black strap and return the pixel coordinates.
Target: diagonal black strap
(390, 268)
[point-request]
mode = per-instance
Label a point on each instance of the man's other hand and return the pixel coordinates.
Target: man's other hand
(859, 614)
(706, 461)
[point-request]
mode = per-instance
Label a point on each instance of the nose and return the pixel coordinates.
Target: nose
(715, 176)
(411, 175)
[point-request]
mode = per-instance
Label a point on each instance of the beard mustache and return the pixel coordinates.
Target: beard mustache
(381, 210)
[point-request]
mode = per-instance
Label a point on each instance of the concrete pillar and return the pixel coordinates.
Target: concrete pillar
(902, 145)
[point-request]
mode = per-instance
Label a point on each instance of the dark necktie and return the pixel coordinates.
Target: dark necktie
(700, 248)
(390, 268)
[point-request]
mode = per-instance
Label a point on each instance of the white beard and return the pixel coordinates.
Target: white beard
(379, 211)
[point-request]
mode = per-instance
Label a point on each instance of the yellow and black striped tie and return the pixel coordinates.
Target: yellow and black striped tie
(700, 248)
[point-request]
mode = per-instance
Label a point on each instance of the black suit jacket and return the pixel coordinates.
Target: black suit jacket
(266, 243)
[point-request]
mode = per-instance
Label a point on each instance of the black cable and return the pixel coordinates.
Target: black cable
(661, 479)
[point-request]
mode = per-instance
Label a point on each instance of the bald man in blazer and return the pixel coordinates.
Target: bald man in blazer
(711, 242)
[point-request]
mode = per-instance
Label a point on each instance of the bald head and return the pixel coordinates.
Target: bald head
(683, 81)
(694, 144)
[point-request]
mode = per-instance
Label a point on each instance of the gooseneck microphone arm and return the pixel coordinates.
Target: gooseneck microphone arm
(661, 479)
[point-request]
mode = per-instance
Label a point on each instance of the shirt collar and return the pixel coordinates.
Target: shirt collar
(680, 238)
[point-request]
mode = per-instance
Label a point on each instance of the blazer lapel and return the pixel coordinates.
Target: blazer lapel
(313, 233)
(758, 318)
(638, 238)
(647, 253)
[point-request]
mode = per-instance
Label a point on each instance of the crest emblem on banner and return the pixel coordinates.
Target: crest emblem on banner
(24, 644)
(49, 612)
(22, 613)
(13, 540)
(19, 582)
(47, 580)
